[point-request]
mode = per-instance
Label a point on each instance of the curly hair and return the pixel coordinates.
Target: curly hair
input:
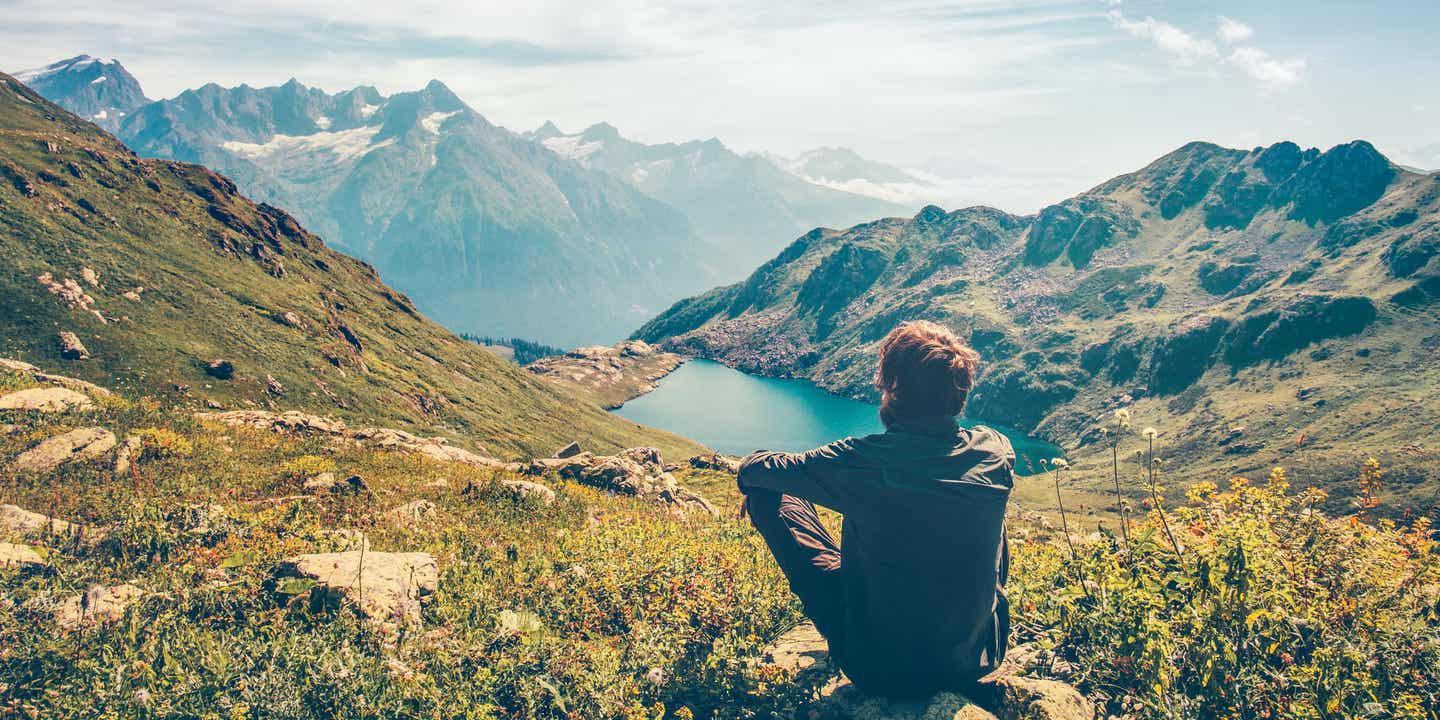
(924, 370)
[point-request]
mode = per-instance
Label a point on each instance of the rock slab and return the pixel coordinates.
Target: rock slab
(100, 605)
(73, 446)
(384, 587)
(48, 400)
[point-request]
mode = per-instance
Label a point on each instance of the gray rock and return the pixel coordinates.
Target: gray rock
(715, 461)
(220, 369)
(636, 471)
(50, 400)
(20, 521)
(527, 489)
(570, 450)
(73, 446)
(385, 587)
(100, 605)
(70, 346)
(414, 512)
(21, 556)
(125, 454)
(1011, 696)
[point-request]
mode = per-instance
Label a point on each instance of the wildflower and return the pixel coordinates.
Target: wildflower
(1059, 463)
(142, 697)
(656, 676)
(1149, 433)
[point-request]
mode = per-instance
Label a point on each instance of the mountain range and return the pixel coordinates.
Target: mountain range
(161, 278)
(563, 239)
(735, 202)
(1273, 306)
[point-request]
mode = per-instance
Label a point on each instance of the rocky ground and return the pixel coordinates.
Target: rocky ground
(609, 376)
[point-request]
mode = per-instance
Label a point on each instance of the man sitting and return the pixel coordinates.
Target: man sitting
(912, 601)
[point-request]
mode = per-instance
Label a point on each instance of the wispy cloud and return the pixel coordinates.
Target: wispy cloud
(1233, 31)
(1189, 49)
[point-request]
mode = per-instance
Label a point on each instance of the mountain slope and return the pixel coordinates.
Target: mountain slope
(99, 90)
(159, 268)
(1276, 306)
(491, 233)
(744, 206)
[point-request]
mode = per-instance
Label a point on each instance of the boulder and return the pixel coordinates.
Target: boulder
(20, 521)
(73, 446)
(804, 653)
(54, 399)
(100, 605)
(70, 346)
(527, 489)
(414, 512)
(125, 454)
(322, 482)
(715, 461)
(220, 369)
(385, 587)
(637, 471)
(21, 556)
(570, 450)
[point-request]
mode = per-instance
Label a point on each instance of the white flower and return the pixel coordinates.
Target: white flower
(656, 676)
(1059, 463)
(1150, 433)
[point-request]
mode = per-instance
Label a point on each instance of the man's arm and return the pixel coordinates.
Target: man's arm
(815, 475)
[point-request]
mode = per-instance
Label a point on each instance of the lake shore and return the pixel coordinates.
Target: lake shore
(609, 375)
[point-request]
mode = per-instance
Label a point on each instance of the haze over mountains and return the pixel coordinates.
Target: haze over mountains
(1276, 306)
(565, 239)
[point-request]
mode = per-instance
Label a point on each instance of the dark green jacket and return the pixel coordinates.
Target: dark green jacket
(923, 551)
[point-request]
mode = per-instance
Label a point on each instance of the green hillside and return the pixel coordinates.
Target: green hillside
(1268, 307)
(186, 271)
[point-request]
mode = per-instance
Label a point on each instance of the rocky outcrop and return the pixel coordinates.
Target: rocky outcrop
(299, 423)
(532, 490)
(70, 346)
(637, 471)
(47, 400)
(384, 587)
(1009, 695)
(220, 369)
(73, 446)
(1296, 323)
(19, 521)
(79, 386)
(100, 605)
(23, 557)
(608, 375)
(715, 461)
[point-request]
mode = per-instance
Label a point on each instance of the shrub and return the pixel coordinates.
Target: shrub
(1275, 611)
(159, 443)
(306, 466)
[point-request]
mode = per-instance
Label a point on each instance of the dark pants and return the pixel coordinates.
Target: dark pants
(807, 554)
(810, 558)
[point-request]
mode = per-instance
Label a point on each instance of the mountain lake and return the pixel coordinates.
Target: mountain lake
(736, 414)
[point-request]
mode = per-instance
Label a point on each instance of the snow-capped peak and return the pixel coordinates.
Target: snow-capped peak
(79, 62)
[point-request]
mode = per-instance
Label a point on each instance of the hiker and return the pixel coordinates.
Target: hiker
(912, 599)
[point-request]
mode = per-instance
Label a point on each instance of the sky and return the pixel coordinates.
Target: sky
(1020, 104)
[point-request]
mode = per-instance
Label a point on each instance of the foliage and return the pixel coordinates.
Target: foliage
(525, 351)
(162, 443)
(1273, 610)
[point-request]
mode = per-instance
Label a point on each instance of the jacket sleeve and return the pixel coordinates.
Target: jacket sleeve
(818, 475)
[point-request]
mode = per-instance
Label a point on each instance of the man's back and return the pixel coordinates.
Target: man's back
(921, 568)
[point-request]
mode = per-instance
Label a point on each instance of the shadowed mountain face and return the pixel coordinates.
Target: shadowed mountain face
(1261, 307)
(159, 269)
(99, 90)
(489, 232)
(745, 207)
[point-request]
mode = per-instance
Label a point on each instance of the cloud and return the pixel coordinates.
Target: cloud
(1264, 69)
(1182, 46)
(1234, 31)
(1188, 49)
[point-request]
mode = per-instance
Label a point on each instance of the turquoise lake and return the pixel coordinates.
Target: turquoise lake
(736, 413)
